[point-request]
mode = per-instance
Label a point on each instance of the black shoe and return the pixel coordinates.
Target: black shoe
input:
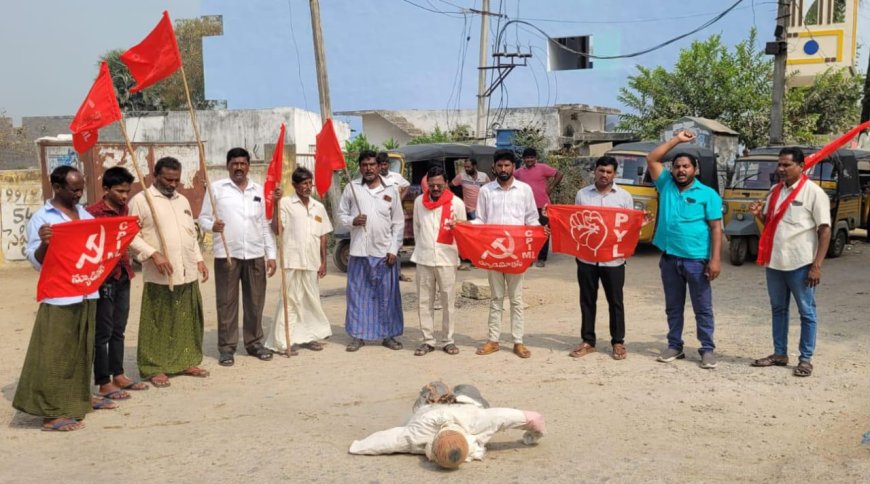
(226, 359)
(392, 344)
(260, 352)
(355, 345)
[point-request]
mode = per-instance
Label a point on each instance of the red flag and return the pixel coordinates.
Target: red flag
(99, 109)
(156, 57)
(274, 173)
(327, 157)
(82, 254)
(833, 146)
(503, 248)
(595, 234)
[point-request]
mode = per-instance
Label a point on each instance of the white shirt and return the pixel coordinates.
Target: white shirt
(244, 214)
(49, 214)
(385, 224)
(514, 205)
(478, 424)
(395, 178)
(616, 197)
(796, 239)
(303, 227)
(427, 224)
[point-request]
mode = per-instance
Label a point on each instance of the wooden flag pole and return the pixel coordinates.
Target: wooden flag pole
(148, 198)
(276, 213)
(202, 166)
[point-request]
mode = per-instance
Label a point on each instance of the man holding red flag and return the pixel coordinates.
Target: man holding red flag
(506, 201)
(244, 226)
(55, 380)
(611, 274)
(437, 257)
(792, 253)
(171, 319)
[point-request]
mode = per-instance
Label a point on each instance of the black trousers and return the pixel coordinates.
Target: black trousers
(251, 274)
(542, 255)
(613, 279)
(113, 307)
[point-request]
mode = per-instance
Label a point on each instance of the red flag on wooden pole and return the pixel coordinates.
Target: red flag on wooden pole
(327, 157)
(99, 109)
(274, 173)
(155, 58)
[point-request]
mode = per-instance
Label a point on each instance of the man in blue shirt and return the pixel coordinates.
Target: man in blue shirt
(689, 234)
(55, 379)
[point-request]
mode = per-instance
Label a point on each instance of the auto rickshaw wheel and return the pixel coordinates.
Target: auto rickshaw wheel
(738, 250)
(838, 244)
(342, 254)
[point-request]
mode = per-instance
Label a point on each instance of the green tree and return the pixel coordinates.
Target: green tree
(735, 88)
(168, 94)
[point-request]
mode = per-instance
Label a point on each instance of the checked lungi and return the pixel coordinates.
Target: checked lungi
(374, 304)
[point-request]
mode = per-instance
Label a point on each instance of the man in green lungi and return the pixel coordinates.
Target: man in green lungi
(55, 379)
(171, 319)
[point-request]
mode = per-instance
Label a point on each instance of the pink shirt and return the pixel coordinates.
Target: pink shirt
(470, 187)
(537, 177)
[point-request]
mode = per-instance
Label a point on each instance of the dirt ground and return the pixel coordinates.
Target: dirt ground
(619, 421)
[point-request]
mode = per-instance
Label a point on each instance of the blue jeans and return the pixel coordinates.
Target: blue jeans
(780, 286)
(677, 273)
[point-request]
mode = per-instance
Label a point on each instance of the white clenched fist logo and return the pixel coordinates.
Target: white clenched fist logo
(588, 230)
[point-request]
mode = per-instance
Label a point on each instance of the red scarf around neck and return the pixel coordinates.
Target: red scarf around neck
(771, 222)
(444, 201)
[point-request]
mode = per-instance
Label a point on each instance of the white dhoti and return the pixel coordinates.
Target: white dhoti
(308, 322)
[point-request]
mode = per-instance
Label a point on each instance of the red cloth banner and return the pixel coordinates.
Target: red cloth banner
(503, 248)
(274, 174)
(595, 234)
(156, 57)
(833, 146)
(99, 109)
(82, 253)
(327, 157)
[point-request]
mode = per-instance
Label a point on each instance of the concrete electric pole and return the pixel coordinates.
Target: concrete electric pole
(779, 49)
(481, 73)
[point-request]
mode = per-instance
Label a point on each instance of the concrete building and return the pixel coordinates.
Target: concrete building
(714, 136)
(562, 124)
(822, 34)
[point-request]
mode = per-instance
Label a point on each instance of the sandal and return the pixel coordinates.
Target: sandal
(261, 353)
(582, 350)
(115, 395)
(423, 349)
(772, 360)
(355, 345)
(619, 352)
(160, 381)
(135, 386)
(313, 345)
(100, 403)
(62, 425)
(195, 371)
(392, 344)
(804, 368)
(451, 349)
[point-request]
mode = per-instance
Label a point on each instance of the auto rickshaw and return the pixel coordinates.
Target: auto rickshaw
(632, 175)
(755, 174)
(413, 162)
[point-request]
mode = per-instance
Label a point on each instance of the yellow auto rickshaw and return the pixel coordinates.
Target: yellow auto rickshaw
(755, 173)
(632, 176)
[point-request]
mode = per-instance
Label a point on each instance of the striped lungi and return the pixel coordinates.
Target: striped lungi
(374, 304)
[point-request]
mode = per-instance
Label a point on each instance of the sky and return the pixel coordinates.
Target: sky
(381, 54)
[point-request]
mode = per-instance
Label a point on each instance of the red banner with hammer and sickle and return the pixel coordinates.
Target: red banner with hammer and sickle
(595, 234)
(502, 248)
(82, 253)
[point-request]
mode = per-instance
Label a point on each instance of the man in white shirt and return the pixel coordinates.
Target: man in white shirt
(506, 201)
(436, 256)
(602, 193)
(305, 226)
(392, 177)
(240, 219)
(372, 210)
(795, 255)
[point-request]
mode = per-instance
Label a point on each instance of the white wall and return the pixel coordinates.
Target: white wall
(223, 129)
